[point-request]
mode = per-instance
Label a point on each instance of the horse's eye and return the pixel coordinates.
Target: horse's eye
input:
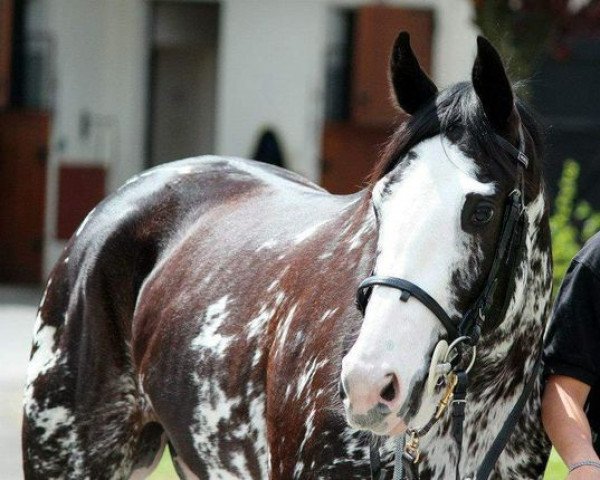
(482, 214)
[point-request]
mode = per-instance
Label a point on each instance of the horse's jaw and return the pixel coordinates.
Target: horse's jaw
(493, 390)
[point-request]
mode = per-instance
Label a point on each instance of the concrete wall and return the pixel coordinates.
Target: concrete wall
(272, 65)
(272, 69)
(271, 72)
(99, 67)
(185, 52)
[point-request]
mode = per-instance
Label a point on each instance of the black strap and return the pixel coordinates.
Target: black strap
(459, 402)
(409, 289)
(472, 322)
(375, 460)
(517, 153)
(492, 455)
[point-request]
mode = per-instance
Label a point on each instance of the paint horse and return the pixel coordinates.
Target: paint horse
(208, 305)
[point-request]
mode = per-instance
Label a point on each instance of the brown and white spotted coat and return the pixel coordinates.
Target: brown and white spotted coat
(208, 305)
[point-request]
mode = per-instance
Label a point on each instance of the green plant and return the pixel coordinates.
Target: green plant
(572, 223)
(522, 30)
(525, 31)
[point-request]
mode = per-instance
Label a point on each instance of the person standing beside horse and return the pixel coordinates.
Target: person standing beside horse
(571, 402)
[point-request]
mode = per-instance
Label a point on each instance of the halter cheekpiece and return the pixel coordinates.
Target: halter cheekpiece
(463, 334)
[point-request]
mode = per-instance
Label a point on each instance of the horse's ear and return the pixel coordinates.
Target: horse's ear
(412, 87)
(493, 87)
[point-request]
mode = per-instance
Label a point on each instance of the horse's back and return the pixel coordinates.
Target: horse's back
(84, 411)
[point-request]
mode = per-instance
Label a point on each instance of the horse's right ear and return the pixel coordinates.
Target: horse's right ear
(493, 88)
(412, 87)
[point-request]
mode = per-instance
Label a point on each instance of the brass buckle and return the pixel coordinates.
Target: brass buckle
(448, 394)
(411, 449)
(412, 452)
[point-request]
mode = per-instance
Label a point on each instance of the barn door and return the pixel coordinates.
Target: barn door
(23, 144)
(377, 27)
(6, 34)
(354, 134)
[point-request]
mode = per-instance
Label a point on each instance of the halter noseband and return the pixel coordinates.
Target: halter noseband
(407, 290)
(467, 330)
(471, 323)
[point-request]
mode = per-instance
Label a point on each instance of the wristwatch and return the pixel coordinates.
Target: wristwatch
(584, 463)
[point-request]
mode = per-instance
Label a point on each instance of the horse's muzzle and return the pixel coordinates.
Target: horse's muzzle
(370, 394)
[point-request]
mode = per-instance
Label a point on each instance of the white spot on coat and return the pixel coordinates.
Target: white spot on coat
(213, 319)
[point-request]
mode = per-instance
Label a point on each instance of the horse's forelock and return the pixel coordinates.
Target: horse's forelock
(458, 106)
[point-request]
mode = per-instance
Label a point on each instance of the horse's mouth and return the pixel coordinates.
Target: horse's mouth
(413, 403)
(382, 421)
(379, 420)
(391, 426)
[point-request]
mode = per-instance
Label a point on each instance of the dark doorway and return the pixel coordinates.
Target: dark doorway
(183, 80)
(24, 136)
(566, 91)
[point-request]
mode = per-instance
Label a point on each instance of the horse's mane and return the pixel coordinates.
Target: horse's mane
(456, 106)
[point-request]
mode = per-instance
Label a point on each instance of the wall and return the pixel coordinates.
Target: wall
(99, 67)
(270, 72)
(454, 38)
(184, 49)
(272, 69)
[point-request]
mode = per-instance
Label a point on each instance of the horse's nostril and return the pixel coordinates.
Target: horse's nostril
(389, 391)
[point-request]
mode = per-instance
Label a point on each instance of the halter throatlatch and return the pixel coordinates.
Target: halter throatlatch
(463, 334)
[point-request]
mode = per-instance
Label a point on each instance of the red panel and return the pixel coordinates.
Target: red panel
(6, 41)
(349, 154)
(23, 146)
(376, 29)
(81, 188)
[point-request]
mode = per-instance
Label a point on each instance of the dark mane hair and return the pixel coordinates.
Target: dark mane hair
(454, 111)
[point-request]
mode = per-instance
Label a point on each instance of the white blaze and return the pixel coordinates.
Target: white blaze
(420, 240)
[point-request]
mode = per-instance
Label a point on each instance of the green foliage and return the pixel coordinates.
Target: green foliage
(572, 223)
(556, 469)
(522, 31)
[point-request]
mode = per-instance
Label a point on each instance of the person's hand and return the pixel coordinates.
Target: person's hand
(584, 473)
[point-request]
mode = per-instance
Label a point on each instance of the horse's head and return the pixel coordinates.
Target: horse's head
(439, 200)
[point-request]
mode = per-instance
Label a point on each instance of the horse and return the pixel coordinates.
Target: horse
(209, 305)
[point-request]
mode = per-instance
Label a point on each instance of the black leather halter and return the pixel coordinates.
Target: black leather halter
(407, 290)
(471, 323)
(474, 321)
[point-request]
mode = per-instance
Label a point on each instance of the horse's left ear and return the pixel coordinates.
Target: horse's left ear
(493, 88)
(412, 87)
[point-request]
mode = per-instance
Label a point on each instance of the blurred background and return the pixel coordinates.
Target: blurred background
(94, 91)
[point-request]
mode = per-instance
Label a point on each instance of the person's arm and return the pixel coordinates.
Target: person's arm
(567, 425)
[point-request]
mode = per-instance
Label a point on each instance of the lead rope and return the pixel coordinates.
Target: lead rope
(398, 459)
(459, 403)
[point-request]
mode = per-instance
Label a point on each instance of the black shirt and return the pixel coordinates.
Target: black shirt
(572, 342)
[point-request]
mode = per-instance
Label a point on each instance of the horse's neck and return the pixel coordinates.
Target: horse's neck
(505, 359)
(357, 231)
